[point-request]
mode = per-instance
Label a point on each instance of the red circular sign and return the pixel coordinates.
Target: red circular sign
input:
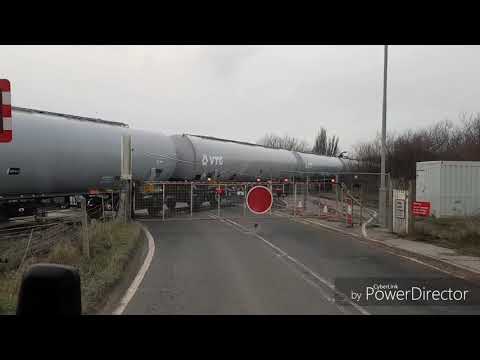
(259, 199)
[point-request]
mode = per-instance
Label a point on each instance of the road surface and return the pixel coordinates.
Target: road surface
(277, 267)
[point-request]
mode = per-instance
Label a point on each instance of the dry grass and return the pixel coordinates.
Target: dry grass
(461, 234)
(8, 292)
(111, 247)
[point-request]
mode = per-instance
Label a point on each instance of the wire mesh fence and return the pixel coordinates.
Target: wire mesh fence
(352, 199)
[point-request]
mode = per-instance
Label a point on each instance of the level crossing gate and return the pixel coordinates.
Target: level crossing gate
(208, 200)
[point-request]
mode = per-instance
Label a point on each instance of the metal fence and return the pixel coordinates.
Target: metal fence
(323, 198)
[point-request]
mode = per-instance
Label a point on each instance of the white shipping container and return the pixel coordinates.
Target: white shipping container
(452, 187)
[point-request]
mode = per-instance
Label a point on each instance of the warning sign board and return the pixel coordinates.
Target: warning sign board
(259, 200)
(421, 208)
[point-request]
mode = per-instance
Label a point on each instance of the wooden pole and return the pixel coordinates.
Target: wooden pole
(85, 240)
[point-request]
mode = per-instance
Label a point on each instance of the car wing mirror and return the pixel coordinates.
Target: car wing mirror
(50, 289)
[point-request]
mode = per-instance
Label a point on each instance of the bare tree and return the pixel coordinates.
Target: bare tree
(286, 142)
(323, 145)
(332, 146)
(440, 141)
(320, 143)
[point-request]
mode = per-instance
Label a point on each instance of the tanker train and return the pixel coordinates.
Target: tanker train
(55, 155)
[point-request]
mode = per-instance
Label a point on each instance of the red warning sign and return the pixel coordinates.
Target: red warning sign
(421, 208)
(259, 200)
(5, 112)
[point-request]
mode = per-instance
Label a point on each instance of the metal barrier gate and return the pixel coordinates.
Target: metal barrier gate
(207, 200)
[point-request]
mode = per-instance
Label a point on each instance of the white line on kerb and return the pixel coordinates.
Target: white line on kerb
(305, 268)
(139, 277)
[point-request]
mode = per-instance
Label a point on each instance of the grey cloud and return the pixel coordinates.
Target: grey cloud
(243, 92)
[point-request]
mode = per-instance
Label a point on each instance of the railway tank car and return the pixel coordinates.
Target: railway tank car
(55, 155)
(58, 153)
(203, 157)
(62, 153)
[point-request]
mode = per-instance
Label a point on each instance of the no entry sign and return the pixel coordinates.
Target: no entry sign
(5, 112)
(259, 200)
(421, 208)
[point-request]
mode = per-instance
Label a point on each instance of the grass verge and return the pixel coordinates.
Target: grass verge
(112, 245)
(460, 234)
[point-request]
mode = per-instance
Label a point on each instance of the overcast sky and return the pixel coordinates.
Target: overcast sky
(242, 92)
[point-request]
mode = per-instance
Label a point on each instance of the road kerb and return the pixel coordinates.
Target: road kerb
(140, 275)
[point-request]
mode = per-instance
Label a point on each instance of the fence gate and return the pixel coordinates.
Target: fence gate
(400, 206)
(318, 198)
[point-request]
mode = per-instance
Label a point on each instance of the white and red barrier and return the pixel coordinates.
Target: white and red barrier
(6, 129)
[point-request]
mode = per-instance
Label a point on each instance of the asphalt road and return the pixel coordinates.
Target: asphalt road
(265, 265)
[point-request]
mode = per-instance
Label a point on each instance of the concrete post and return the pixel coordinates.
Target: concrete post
(382, 193)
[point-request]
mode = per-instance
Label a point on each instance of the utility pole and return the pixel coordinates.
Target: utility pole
(382, 211)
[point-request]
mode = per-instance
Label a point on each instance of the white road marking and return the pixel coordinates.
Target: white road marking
(141, 273)
(305, 268)
(364, 225)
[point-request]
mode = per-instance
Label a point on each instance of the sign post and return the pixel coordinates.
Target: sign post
(6, 129)
(400, 213)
